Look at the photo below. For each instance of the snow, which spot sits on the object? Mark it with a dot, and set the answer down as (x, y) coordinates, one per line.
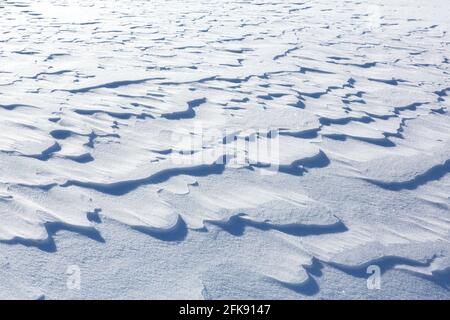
(211, 149)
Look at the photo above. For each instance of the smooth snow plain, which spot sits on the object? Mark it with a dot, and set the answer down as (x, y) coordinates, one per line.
(123, 123)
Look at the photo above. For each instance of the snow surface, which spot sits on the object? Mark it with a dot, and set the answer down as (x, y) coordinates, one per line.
(116, 123)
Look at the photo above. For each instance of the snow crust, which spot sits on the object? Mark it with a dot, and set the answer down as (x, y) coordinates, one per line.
(122, 124)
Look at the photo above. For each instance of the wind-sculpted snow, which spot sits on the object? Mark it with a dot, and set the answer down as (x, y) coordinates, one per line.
(270, 148)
